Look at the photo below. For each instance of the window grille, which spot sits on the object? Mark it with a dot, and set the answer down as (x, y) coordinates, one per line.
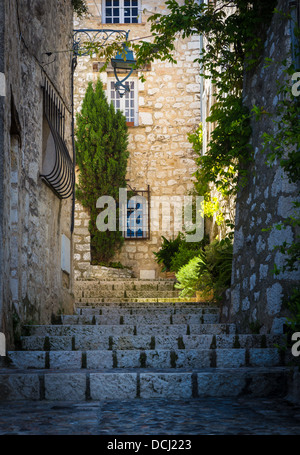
(58, 171)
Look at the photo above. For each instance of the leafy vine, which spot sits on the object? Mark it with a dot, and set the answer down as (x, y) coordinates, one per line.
(80, 7)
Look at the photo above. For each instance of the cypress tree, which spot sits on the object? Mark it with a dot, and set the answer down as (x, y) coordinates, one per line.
(101, 150)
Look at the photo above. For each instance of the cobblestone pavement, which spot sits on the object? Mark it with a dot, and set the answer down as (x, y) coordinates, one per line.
(209, 416)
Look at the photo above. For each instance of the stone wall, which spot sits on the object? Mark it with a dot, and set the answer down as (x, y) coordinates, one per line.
(257, 294)
(34, 221)
(83, 270)
(2, 104)
(168, 109)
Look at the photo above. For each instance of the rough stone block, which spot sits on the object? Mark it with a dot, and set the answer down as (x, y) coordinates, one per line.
(268, 382)
(65, 359)
(158, 359)
(99, 359)
(146, 118)
(192, 358)
(171, 385)
(220, 384)
(19, 387)
(65, 386)
(264, 357)
(147, 274)
(105, 386)
(230, 358)
(30, 359)
(128, 359)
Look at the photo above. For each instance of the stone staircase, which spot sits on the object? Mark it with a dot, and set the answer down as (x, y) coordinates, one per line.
(126, 291)
(132, 339)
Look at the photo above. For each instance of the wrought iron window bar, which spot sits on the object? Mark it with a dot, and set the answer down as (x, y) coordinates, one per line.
(83, 39)
(62, 176)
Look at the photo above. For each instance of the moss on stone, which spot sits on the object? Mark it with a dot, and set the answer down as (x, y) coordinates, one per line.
(255, 327)
(47, 360)
(247, 357)
(152, 343)
(213, 344)
(115, 359)
(180, 342)
(143, 359)
(263, 341)
(83, 360)
(47, 346)
(173, 359)
(236, 343)
(56, 319)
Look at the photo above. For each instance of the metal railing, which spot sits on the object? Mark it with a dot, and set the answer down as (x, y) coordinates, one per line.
(61, 177)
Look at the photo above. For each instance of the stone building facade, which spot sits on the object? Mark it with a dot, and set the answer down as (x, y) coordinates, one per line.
(257, 294)
(166, 107)
(36, 280)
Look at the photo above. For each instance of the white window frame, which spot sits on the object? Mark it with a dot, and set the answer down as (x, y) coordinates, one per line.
(124, 100)
(121, 16)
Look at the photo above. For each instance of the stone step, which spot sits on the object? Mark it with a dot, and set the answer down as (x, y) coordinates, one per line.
(122, 285)
(154, 318)
(126, 300)
(81, 384)
(106, 311)
(120, 294)
(93, 340)
(144, 305)
(160, 358)
(120, 330)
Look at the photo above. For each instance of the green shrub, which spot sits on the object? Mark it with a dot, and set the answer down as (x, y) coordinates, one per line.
(217, 264)
(209, 272)
(188, 278)
(186, 252)
(175, 253)
(167, 251)
(182, 257)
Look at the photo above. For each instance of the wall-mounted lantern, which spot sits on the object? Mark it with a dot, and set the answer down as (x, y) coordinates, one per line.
(123, 62)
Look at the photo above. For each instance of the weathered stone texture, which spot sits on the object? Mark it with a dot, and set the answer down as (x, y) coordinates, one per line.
(257, 294)
(160, 155)
(33, 219)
